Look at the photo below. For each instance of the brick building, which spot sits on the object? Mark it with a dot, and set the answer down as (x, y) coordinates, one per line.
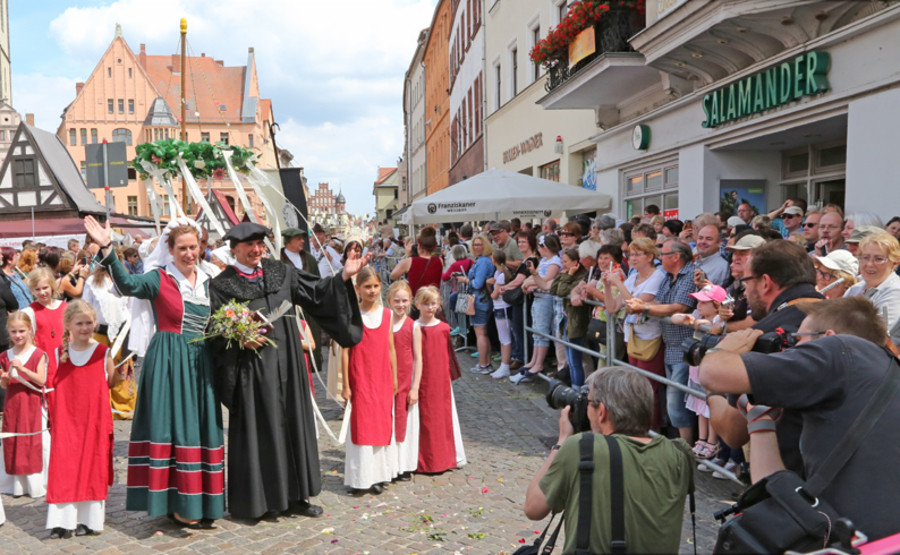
(136, 98)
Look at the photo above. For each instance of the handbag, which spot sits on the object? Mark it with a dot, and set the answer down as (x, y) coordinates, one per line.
(513, 297)
(470, 304)
(782, 512)
(643, 349)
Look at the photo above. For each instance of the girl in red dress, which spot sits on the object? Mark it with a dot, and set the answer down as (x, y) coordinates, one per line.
(81, 467)
(440, 442)
(46, 313)
(370, 384)
(23, 371)
(409, 376)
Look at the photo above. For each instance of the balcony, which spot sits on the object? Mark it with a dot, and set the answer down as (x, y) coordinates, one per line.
(609, 73)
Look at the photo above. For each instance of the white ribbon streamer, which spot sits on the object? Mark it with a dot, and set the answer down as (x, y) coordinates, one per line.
(197, 195)
(154, 201)
(260, 181)
(162, 177)
(242, 195)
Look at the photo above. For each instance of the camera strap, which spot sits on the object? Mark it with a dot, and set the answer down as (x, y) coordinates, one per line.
(617, 497)
(586, 472)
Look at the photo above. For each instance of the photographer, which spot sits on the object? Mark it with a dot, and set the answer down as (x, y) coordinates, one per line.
(657, 474)
(838, 364)
(780, 275)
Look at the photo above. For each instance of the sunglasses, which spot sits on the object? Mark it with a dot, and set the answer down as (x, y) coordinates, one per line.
(810, 224)
(566, 234)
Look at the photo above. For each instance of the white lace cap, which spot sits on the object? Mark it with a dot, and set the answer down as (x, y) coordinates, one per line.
(160, 256)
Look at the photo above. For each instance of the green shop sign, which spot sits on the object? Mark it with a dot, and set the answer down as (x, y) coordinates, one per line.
(805, 75)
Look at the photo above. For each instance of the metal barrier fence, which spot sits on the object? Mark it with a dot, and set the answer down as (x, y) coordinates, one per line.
(610, 358)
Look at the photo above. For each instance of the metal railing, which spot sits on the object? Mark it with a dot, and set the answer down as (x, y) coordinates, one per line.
(610, 358)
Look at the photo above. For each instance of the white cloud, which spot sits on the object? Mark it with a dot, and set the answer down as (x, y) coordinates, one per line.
(43, 96)
(346, 155)
(334, 70)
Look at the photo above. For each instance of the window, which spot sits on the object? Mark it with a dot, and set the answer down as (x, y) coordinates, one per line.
(73, 137)
(93, 136)
(657, 185)
(166, 210)
(550, 171)
(250, 140)
(535, 39)
(498, 76)
(223, 137)
(132, 206)
(84, 171)
(109, 72)
(513, 78)
(561, 10)
(121, 106)
(204, 137)
(130, 105)
(24, 173)
(109, 105)
(129, 73)
(122, 136)
(83, 136)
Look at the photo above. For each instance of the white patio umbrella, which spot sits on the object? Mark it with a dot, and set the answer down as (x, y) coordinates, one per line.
(497, 194)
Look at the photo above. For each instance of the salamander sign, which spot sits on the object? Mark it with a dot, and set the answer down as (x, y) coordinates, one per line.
(805, 75)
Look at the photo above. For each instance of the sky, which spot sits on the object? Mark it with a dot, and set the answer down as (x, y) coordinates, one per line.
(334, 69)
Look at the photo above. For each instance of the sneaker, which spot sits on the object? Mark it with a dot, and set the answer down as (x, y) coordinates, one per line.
(730, 466)
(703, 468)
(475, 369)
(496, 358)
(475, 354)
(486, 369)
(502, 372)
(455, 331)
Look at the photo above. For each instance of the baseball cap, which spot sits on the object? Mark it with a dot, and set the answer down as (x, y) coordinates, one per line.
(840, 260)
(862, 231)
(747, 242)
(795, 210)
(734, 221)
(713, 293)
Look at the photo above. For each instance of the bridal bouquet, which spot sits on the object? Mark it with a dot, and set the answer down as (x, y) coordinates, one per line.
(238, 324)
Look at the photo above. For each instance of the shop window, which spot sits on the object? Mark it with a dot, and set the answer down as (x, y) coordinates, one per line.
(550, 171)
(831, 157)
(645, 187)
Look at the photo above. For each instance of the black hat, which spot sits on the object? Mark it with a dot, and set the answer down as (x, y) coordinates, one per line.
(247, 231)
(317, 228)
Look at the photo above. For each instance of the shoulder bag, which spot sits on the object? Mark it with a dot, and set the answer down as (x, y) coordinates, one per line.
(643, 349)
(781, 512)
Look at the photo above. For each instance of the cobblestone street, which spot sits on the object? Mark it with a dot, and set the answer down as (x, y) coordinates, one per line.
(478, 509)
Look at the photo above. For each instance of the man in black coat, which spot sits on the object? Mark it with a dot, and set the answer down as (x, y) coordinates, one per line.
(273, 460)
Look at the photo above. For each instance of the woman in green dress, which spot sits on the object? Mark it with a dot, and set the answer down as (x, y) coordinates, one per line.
(176, 452)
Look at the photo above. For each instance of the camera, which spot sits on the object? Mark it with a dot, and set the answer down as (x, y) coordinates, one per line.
(695, 349)
(559, 396)
(728, 302)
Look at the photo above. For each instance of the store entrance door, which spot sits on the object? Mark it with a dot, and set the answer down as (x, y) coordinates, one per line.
(831, 191)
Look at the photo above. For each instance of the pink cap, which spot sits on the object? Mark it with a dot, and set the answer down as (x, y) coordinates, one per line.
(711, 293)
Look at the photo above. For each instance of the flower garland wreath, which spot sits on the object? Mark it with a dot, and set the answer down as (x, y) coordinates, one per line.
(205, 160)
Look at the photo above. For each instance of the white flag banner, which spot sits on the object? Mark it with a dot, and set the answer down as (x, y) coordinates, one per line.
(197, 195)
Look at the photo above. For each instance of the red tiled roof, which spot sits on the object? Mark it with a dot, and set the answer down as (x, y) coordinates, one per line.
(209, 86)
(384, 173)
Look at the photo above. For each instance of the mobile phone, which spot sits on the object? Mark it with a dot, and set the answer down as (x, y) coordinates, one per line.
(84, 261)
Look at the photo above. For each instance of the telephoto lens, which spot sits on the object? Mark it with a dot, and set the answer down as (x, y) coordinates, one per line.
(559, 396)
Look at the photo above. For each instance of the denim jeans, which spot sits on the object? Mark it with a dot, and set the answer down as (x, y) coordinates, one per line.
(515, 327)
(542, 316)
(573, 357)
(679, 415)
